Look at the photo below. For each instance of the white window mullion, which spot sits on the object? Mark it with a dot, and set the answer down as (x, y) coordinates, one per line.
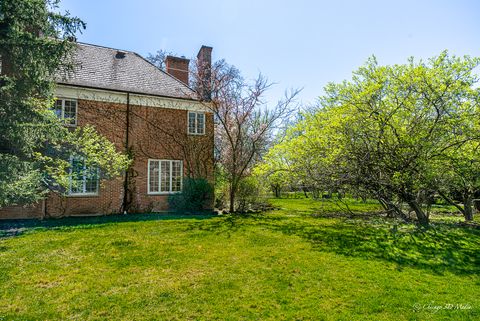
(84, 181)
(70, 181)
(171, 172)
(181, 175)
(159, 176)
(196, 123)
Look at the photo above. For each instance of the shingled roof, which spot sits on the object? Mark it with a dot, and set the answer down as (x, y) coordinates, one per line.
(121, 70)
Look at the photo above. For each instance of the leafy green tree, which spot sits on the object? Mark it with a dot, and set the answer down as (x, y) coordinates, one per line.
(309, 156)
(392, 131)
(402, 119)
(459, 177)
(35, 146)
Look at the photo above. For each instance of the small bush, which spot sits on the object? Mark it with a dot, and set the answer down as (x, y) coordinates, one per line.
(196, 195)
(248, 194)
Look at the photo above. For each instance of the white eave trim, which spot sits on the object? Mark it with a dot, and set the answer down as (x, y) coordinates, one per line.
(74, 92)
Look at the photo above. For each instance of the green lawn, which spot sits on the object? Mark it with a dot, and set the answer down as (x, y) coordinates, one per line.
(303, 262)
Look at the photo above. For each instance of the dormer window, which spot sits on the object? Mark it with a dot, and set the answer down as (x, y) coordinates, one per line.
(66, 109)
(196, 123)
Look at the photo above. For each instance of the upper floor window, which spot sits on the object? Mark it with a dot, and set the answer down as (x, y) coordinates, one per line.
(164, 176)
(83, 179)
(196, 123)
(66, 109)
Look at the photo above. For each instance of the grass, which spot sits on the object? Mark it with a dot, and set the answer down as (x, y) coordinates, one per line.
(303, 262)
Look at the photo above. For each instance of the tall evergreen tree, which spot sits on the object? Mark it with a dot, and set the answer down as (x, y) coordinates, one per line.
(35, 146)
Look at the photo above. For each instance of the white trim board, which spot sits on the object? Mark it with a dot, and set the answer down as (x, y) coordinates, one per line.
(66, 91)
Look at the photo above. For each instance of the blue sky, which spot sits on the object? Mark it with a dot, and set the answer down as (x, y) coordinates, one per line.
(294, 43)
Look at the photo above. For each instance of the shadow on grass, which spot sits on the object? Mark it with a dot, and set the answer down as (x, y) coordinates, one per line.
(9, 228)
(443, 247)
(225, 225)
(440, 248)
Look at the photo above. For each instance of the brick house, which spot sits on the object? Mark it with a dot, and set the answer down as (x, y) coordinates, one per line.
(151, 114)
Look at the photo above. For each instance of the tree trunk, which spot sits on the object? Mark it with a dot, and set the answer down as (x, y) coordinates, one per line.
(451, 202)
(392, 210)
(305, 192)
(468, 208)
(276, 189)
(421, 216)
(6, 66)
(232, 200)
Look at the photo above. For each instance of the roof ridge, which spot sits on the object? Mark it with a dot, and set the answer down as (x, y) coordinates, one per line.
(105, 47)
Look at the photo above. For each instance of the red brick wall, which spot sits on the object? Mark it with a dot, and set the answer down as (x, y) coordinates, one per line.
(158, 133)
(155, 133)
(27, 211)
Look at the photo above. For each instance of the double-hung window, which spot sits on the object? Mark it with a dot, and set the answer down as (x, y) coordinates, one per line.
(83, 179)
(196, 123)
(66, 109)
(164, 176)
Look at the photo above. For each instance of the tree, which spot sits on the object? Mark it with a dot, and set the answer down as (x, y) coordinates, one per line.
(392, 131)
(244, 124)
(35, 146)
(158, 58)
(401, 119)
(309, 155)
(459, 176)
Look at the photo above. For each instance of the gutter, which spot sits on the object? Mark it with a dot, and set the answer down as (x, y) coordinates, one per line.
(126, 91)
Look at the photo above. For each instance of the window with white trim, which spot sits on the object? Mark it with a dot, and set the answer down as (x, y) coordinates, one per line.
(164, 176)
(196, 123)
(66, 109)
(84, 179)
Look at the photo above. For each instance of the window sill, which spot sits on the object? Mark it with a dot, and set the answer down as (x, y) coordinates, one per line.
(162, 193)
(83, 195)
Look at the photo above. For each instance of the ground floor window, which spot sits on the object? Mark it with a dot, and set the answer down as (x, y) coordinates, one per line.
(164, 176)
(84, 180)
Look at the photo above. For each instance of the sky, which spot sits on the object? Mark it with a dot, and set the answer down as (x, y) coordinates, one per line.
(295, 44)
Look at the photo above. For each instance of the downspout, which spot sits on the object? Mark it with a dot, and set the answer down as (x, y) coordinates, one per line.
(44, 209)
(125, 182)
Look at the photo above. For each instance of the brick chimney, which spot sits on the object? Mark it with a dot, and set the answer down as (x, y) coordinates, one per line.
(204, 66)
(178, 68)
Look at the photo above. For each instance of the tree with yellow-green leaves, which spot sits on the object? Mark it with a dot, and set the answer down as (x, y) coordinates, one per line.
(402, 134)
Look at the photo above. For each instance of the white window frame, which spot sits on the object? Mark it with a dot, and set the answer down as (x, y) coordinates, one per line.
(149, 192)
(196, 126)
(84, 181)
(62, 116)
